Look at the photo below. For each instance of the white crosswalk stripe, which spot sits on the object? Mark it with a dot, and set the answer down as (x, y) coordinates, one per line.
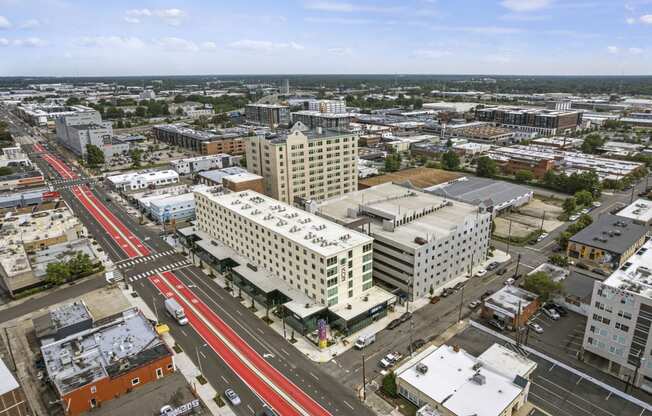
(167, 267)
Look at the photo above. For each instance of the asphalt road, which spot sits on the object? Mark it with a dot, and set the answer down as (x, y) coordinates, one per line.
(333, 396)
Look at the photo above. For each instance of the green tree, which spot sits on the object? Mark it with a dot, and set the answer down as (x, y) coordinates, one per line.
(563, 238)
(80, 264)
(450, 160)
(136, 156)
(57, 273)
(524, 175)
(6, 170)
(389, 385)
(94, 156)
(584, 198)
(486, 167)
(558, 260)
(541, 284)
(392, 162)
(141, 111)
(592, 143)
(569, 205)
(73, 101)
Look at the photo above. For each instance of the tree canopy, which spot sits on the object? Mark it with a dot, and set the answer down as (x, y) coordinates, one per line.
(94, 156)
(541, 284)
(486, 167)
(450, 160)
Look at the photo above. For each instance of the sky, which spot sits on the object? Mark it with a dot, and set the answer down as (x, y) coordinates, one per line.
(138, 37)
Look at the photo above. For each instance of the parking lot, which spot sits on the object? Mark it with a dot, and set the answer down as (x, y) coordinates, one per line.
(554, 389)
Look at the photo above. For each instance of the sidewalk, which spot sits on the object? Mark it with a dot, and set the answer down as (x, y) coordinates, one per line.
(183, 364)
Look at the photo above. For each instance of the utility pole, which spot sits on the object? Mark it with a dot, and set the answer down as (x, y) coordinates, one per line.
(509, 235)
(518, 325)
(364, 381)
(459, 318)
(407, 301)
(155, 310)
(631, 198)
(518, 263)
(543, 217)
(411, 336)
(201, 372)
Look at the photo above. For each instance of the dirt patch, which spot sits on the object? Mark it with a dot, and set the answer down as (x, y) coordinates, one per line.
(527, 219)
(419, 177)
(519, 229)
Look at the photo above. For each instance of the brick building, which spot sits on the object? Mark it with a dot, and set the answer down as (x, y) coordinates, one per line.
(118, 355)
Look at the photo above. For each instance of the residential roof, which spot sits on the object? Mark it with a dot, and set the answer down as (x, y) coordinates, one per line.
(640, 211)
(451, 380)
(64, 316)
(508, 299)
(635, 276)
(476, 191)
(610, 232)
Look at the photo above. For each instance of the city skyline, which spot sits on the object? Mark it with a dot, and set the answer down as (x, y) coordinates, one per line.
(537, 37)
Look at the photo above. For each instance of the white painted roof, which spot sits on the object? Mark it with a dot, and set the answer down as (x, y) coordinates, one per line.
(639, 210)
(7, 380)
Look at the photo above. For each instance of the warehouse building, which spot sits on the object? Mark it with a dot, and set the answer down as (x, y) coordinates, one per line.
(495, 196)
(421, 241)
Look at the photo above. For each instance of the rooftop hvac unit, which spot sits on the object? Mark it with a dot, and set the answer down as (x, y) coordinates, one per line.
(422, 368)
(479, 379)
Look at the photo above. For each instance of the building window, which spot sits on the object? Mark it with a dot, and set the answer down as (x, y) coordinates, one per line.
(135, 381)
(93, 389)
(159, 373)
(170, 367)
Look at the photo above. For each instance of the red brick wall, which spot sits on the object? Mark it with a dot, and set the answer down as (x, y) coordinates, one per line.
(79, 401)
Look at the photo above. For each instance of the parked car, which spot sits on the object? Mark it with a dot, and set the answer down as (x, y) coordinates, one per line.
(394, 324)
(232, 397)
(582, 266)
(551, 313)
(418, 344)
(597, 204)
(574, 217)
(535, 327)
(509, 281)
(459, 286)
(447, 291)
(560, 309)
(474, 304)
(541, 237)
(502, 271)
(388, 361)
(435, 299)
(497, 324)
(405, 316)
(600, 272)
(585, 211)
(493, 265)
(480, 272)
(267, 411)
(486, 294)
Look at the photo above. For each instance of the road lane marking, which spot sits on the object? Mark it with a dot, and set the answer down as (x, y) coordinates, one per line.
(346, 403)
(314, 376)
(225, 380)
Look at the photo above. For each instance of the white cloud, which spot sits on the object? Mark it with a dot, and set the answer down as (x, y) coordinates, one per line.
(339, 20)
(263, 45)
(30, 42)
(613, 49)
(112, 42)
(430, 53)
(30, 24)
(525, 5)
(630, 20)
(647, 19)
(172, 17)
(341, 51)
(4, 23)
(177, 44)
(343, 7)
(4, 42)
(635, 51)
(498, 58)
(208, 45)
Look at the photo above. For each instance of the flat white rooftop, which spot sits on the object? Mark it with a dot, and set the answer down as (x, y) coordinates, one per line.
(449, 382)
(307, 230)
(639, 210)
(394, 202)
(143, 176)
(7, 381)
(508, 299)
(635, 276)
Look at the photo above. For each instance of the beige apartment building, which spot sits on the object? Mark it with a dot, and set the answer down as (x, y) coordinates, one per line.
(312, 165)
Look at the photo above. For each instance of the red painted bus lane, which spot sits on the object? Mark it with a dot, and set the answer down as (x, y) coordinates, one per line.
(144, 251)
(252, 380)
(298, 395)
(62, 169)
(108, 226)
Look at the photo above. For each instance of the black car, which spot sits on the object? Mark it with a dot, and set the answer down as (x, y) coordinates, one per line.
(497, 324)
(502, 271)
(394, 324)
(560, 309)
(486, 294)
(405, 316)
(417, 344)
(493, 265)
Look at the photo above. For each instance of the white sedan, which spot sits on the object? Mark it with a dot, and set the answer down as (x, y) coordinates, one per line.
(481, 272)
(536, 327)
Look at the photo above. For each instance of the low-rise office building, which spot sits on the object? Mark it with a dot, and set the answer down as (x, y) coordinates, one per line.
(201, 163)
(46, 114)
(79, 130)
(104, 362)
(448, 381)
(327, 106)
(14, 157)
(234, 179)
(133, 181)
(421, 241)
(314, 119)
(543, 121)
(607, 243)
(230, 141)
(511, 305)
(639, 211)
(619, 326)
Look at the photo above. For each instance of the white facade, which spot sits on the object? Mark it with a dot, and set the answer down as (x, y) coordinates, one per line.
(313, 166)
(203, 163)
(328, 262)
(327, 106)
(421, 241)
(140, 180)
(76, 131)
(619, 326)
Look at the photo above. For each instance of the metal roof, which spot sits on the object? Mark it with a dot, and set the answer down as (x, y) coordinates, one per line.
(610, 232)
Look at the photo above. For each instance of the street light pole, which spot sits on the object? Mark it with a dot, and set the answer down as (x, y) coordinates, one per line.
(364, 380)
(459, 318)
(201, 371)
(509, 235)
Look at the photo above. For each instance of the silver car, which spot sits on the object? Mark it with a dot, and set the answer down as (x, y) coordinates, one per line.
(232, 396)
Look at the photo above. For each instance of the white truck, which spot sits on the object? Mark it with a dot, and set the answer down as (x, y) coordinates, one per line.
(176, 311)
(365, 340)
